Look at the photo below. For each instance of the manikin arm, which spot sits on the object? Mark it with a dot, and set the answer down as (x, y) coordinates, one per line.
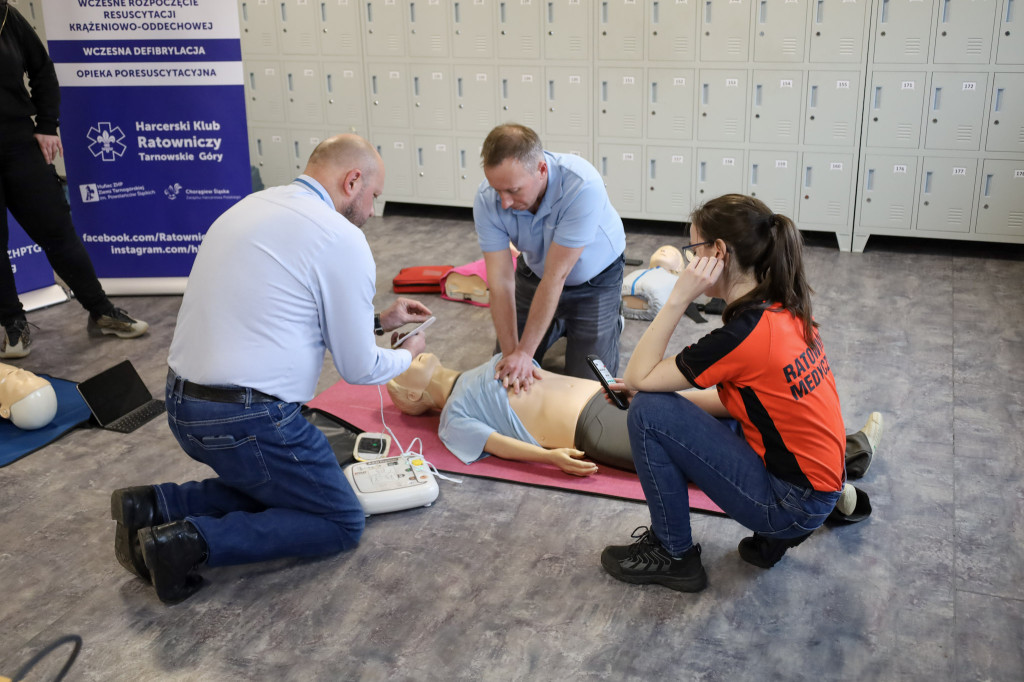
(566, 459)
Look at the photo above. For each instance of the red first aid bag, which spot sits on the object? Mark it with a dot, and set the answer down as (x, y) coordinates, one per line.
(420, 279)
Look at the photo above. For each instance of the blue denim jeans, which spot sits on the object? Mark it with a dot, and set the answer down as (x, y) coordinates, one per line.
(279, 491)
(587, 316)
(675, 442)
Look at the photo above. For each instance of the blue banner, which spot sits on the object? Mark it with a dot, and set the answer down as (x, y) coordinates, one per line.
(31, 269)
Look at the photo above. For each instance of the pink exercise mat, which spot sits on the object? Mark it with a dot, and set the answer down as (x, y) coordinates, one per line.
(360, 406)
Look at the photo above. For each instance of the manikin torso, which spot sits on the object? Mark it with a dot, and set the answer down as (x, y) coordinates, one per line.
(551, 408)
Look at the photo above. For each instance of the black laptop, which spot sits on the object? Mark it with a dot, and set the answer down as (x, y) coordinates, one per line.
(119, 399)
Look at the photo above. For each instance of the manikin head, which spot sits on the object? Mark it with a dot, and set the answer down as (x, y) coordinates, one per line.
(27, 400)
(514, 165)
(669, 258)
(352, 172)
(425, 386)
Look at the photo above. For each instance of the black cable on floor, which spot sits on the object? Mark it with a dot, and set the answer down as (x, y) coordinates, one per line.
(25, 669)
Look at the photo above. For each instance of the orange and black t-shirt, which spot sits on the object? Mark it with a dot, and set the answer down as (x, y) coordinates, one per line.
(780, 390)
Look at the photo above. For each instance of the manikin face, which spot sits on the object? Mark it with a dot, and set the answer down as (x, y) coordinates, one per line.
(668, 257)
(419, 374)
(361, 208)
(521, 188)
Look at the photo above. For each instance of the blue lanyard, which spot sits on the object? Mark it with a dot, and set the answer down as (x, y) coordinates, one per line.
(308, 184)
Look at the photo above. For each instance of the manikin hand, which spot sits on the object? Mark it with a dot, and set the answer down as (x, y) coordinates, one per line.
(568, 460)
(50, 146)
(401, 312)
(516, 371)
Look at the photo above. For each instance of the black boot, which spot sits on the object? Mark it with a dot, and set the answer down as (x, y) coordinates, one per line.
(133, 509)
(764, 551)
(172, 552)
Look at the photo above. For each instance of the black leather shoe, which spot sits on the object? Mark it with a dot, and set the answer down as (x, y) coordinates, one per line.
(172, 552)
(764, 551)
(133, 508)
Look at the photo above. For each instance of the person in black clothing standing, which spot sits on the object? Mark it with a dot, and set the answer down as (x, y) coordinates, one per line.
(30, 189)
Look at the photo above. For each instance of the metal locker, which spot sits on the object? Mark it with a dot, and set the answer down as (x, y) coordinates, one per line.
(670, 103)
(468, 169)
(519, 29)
(780, 30)
(894, 109)
(473, 29)
(902, 30)
(620, 103)
(301, 145)
(427, 28)
(669, 182)
(264, 99)
(722, 102)
(435, 161)
(32, 10)
(345, 97)
(259, 30)
(296, 20)
(838, 30)
(578, 147)
(268, 152)
(964, 31)
(620, 27)
(946, 200)
(396, 150)
(824, 189)
(956, 111)
(1010, 48)
(772, 178)
(833, 102)
(1006, 114)
(671, 30)
(887, 191)
(725, 30)
(520, 95)
(339, 28)
(384, 28)
(776, 98)
(1002, 198)
(304, 102)
(389, 95)
(619, 165)
(475, 103)
(567, 29)
(717, 172)
(568, 101)
(431, 97)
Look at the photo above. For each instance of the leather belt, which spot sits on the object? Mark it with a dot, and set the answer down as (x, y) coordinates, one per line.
(222, 395)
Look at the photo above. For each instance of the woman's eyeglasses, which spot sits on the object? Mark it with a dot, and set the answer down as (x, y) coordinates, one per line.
(688, 252)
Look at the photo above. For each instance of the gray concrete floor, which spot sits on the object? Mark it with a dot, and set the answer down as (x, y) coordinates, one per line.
(498, 581)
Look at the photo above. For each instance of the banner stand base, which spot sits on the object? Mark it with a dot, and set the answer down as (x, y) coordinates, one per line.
(43, 298)
(143, 286)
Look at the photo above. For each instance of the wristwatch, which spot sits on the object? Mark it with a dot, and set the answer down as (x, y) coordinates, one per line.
(377, 329)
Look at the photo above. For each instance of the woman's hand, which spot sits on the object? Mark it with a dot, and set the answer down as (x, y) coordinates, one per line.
(699, 275)
(624, 392)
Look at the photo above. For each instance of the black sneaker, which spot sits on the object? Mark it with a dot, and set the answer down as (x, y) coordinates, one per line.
(646, 561)
(764, 551)
(15, 339)
(119, 323)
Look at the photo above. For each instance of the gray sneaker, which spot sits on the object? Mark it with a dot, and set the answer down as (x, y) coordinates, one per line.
(118, 323)
(15, 340)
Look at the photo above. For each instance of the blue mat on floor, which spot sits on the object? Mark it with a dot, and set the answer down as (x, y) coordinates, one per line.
(71, 411)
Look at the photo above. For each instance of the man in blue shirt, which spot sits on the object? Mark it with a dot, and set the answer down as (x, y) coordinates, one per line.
(554, 208)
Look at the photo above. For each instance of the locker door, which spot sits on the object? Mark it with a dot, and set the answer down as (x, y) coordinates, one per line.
(567, 29)
(946, 200)
(521, 95)
(339, 28)
(302, 143)
(670, 34)
(725, 30)
(519, 29)
(838, 32)
(956, 111)
(577, 147)
(427, 28)
(670, 102)
(902, 30)
(473, 29)
(717, 172)
(825, 189)
(833, 101)
(620, 103)
(32, 10)
(389, 95)
(475, 104)
(265, 101)
(772, 178)
(435, 161)
(722, 102)
(268, 151)
(396, 151)
(964, 31)
(1010, 49)
(567, 93)
(780, 30)
(302, 87)
(431, 97)
(887, 191)
(259, 31)
(776, 97)
(620, 28)
(345, 97)
(297, 26)
(1006, 114)
(620, 167)
(469, 171)
(384, 28)
(669, 193)
(1002, 206)
(894, 109)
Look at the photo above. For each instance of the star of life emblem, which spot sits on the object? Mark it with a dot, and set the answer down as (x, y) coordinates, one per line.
(106, 141)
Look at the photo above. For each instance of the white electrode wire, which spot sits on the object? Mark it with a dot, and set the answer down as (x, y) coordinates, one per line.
(380, 394)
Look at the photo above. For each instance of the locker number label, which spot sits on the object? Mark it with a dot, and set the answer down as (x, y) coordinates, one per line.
(785, 83)
(481, 76)
(678, 81)
(842, 85)
(732, 82)
(970, 85)
(1018, 174)
(440, 147)
(678, 158)
(781, 163)
(399, 144)
(527, 77)
(899, 168)
(728, 161)
(269, 72)
(308, 72)
(959, 171)
(836, 165)
(629, 80)
(907, 85)
(394, 75)
(434, 2)
(275, 138)
(575, 80)
(348, 73)
(437, 75)
(627, 156)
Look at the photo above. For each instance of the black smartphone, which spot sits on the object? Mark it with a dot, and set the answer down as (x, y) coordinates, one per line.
(606, 379)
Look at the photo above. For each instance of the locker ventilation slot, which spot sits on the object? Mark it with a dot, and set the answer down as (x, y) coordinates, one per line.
(975, 46)
(904, 131)
(847, 46)
(912, 47)
(897, 212)
(841, 130)
(955, 216)
(789, 47)
(964, 133)
(1015, 220)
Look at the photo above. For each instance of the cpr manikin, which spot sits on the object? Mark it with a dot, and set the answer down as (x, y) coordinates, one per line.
(27, 400)
(644, 292)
